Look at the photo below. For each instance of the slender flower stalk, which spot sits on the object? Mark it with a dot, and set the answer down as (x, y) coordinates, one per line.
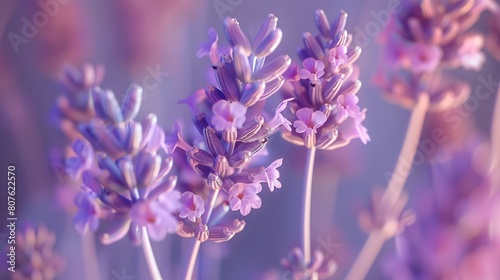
(367, 256)
(149, 255)
(89, 256)
(195, 248)
(407, 154)
(393, 192)
(306, 207)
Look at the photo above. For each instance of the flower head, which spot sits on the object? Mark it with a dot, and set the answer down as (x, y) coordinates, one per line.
(270, 175)
(308, 121)
(338, 56)
(192, 206)
(313, 69)
(156, 216)
(244, 197)
(228, 115)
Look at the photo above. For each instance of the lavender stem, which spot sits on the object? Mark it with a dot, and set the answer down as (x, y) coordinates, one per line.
(195, 248)
(367, 256)
(89, 256)
(212, 197)
(394, 189)
(408, 151)
(149, 255)
(306, 210)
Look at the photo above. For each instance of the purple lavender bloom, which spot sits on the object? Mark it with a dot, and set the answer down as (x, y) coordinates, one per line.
(452, 237)
(89, 212)
(233, 130)
(421, 41)
(156, 216)
(192, 206)
(313, 69)
(298, 269)
(129, 183)
(325, 96)
(244, 197)
(228, 116)
(35, 258)
(75, 105)
(270, 175)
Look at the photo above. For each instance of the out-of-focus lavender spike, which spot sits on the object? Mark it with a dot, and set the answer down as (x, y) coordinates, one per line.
(241, 64)
(97, 96)
(201, 157)
(458, 8)
(166, 186)
(148, 126)
(228, 82)
(322, 23)
(132, 102)
(85, 78)
(252, 93)
(235, 36)
(338, 24)
(450, 32)
(272, 87)
(115, 234)
(134, 234)
(416, 29)
(147, 167)
(273, 69)
(213, 141)
(312, 46)
(134, 139)
(269, 44)
(213, 94)
(108, 164)
(267, 27)
(127, 170)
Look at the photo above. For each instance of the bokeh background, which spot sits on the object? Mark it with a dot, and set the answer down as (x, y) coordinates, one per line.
(132, 40)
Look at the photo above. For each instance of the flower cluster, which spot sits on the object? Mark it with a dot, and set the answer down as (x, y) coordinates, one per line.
(118, 161)
(75, 106)
(424, 39)
(35, 258)
(323, 93)
(453, 237)
(233, 130)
